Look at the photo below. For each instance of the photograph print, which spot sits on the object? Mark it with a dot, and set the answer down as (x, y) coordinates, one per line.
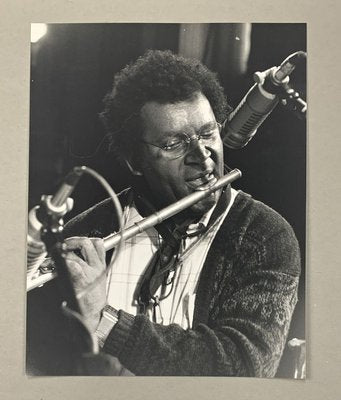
(167, 200)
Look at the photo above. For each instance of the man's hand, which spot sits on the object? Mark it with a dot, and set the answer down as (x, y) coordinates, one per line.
(84, 271)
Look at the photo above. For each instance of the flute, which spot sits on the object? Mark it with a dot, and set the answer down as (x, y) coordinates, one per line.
(113, 239)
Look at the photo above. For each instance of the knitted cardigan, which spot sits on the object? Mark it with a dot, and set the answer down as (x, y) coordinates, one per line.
(246, 295)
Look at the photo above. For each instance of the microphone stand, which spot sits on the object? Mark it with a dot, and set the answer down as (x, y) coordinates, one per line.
(53, 240)
(82, 352)
(292, 101)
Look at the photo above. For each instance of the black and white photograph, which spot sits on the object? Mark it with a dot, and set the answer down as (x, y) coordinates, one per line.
(166, 227)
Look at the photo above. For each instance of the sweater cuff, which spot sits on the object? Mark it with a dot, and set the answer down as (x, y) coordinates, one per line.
(119, 334)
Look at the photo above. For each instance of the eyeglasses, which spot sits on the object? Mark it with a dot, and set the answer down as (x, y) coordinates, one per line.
(177, 146)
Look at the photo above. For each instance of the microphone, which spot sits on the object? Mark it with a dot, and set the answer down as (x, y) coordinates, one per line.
(50, 207)
(259, 102)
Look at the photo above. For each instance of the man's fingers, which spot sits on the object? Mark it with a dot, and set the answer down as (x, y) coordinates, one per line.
(75, 269)
(90, 249)
(72, 257)
(99, 246)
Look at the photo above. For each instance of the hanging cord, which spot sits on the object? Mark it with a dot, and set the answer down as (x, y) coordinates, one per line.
(119, 213)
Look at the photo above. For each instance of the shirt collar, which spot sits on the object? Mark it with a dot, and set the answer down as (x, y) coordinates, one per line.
(199, 226)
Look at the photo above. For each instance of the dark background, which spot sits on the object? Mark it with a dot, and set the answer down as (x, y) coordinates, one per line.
(72, 68)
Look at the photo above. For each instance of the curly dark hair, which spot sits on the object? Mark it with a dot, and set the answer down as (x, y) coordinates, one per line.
(159, 76)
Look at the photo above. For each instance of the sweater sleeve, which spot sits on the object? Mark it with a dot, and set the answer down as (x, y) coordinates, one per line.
(251, 301)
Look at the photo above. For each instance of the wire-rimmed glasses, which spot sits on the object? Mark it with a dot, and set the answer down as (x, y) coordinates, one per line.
(177, 146)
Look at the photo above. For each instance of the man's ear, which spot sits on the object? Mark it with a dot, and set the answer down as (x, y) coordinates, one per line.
(131, 169)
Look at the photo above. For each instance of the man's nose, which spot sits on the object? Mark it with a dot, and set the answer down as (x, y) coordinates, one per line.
(197, 151)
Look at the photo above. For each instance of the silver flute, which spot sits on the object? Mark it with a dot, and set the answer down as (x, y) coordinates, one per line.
(113, 239)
